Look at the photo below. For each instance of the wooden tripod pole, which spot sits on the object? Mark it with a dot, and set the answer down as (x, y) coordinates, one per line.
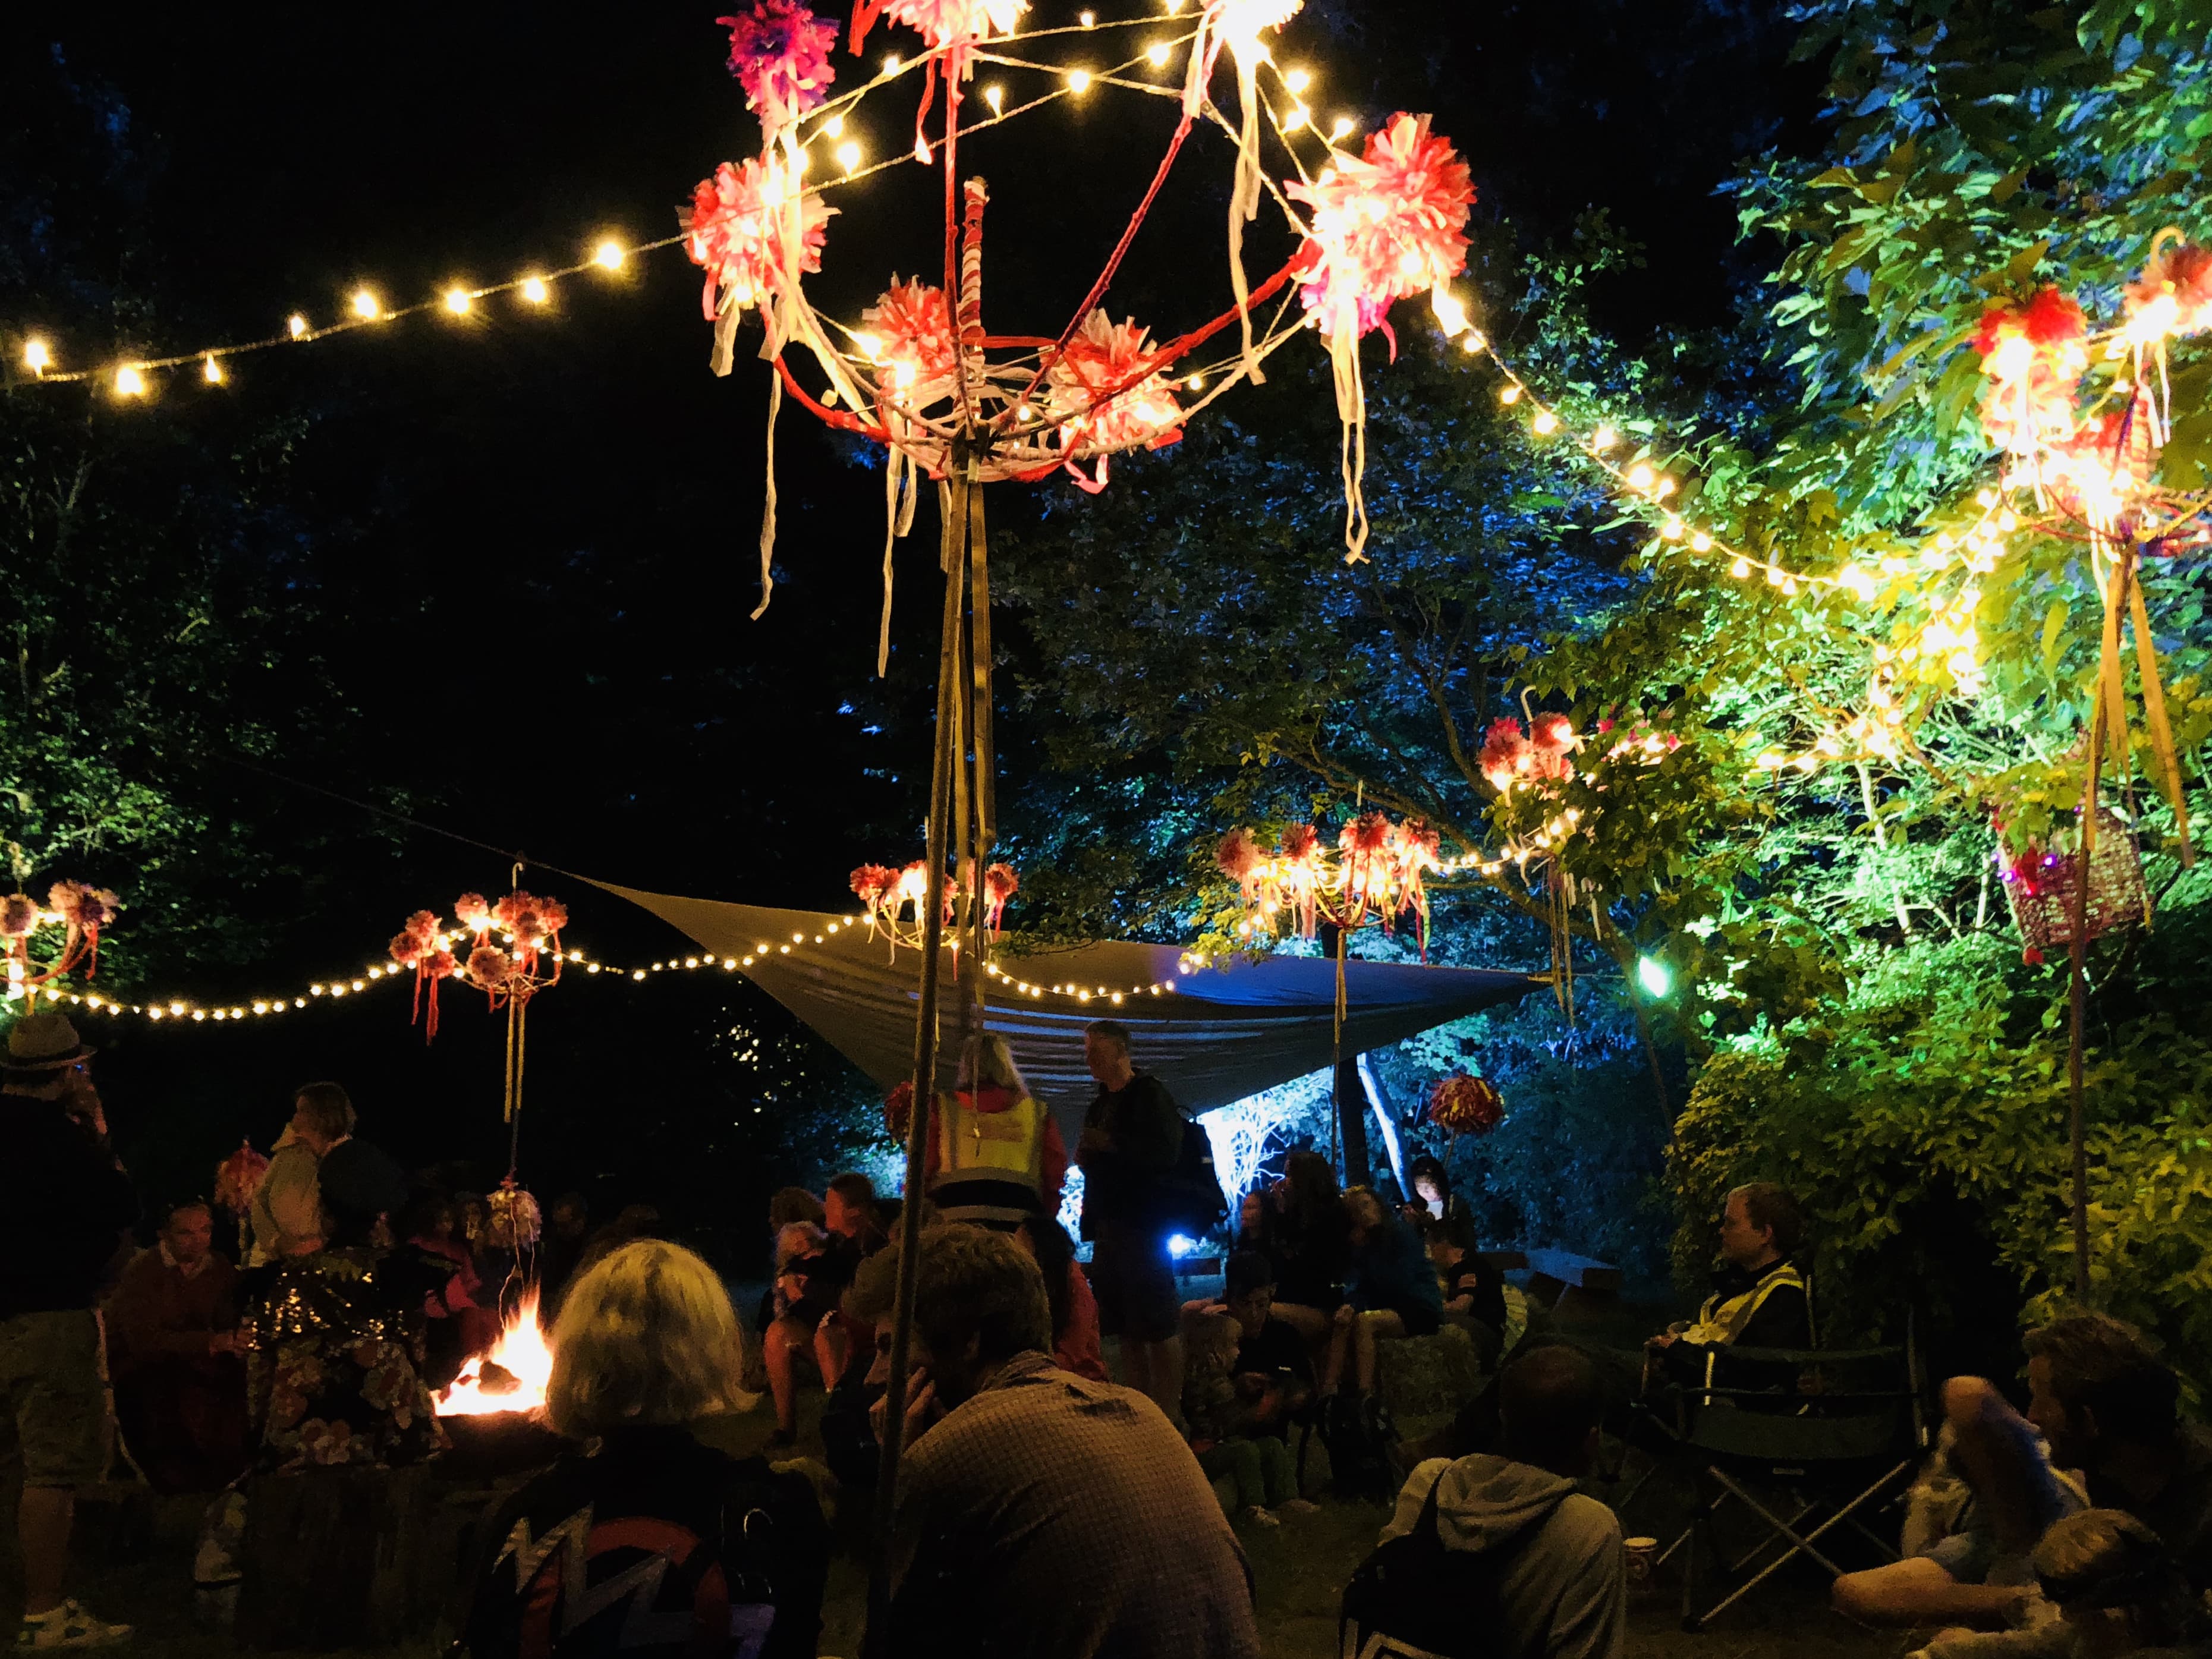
(925, 1057)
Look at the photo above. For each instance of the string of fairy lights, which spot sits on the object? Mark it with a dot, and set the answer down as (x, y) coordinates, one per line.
(178, 1010)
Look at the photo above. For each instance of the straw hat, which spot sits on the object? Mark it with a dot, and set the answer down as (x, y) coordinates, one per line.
(44, 1042)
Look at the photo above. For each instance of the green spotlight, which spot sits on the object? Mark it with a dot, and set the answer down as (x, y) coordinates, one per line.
(1651, 973)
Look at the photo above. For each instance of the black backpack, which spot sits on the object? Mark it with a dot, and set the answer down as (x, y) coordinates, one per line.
(1190, 1198)
(1414, 1598)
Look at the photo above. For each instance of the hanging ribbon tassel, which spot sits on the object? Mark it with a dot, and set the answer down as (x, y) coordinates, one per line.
(1351, 412)
(767, 506)
(1245, 206)
(2161, 732)
(898, 520)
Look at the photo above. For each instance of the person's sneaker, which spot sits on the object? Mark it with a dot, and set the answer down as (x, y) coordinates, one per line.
(1260, 1517)
(64, 1628)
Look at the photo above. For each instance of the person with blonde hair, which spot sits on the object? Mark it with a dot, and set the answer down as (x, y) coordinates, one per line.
(707, 1553)
(996, 1156)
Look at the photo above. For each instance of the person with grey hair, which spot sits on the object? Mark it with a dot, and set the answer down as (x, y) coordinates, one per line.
(1039, 1512)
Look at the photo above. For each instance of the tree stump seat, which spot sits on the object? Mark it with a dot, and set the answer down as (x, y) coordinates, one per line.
(1425, 1376)
(344, 1558)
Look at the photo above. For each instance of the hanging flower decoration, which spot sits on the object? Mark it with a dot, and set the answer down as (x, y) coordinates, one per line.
(78, 909)
(1387, 225)
(893, 900)
(512, 1221)
(1465, 1105)
(1512, 759)
(940, 23)
(911, 338)
(898, 1109)
(1377, 874)
(2173, 296)
(238, 1177)
(780, 54)
(736, 231)
(2034, 353)
(1107, 390)
(1000, 883)
(471, 950)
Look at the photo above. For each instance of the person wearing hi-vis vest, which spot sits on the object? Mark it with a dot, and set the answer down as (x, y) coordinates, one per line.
(1758, 1297)
(995, 1157)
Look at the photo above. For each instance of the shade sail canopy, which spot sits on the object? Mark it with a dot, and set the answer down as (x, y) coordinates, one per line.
(1217, 1035)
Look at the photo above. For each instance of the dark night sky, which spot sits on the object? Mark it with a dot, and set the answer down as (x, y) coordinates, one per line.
(541, 526)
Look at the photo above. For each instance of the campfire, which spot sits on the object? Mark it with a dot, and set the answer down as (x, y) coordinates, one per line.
(511, 1377)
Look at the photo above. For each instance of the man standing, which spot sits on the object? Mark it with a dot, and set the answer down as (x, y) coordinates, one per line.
(69, 1203)
(1525, 1558)
(1132, 1139)
(175, 1354)
(1040, 1513)
(287, 1210)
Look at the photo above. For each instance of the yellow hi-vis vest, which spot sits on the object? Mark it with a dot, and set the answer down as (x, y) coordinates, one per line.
(974, 1146)
(1720, 1321)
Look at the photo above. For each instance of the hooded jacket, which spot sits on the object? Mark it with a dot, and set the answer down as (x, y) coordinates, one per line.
(1565, 1590)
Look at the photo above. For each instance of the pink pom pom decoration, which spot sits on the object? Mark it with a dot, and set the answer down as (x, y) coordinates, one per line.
(734, 231)
(1385, 226)
(780, 54)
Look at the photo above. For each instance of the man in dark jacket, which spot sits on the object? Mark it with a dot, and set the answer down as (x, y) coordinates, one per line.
(1132, 1139)
(1758, 1297)
(70, 1204)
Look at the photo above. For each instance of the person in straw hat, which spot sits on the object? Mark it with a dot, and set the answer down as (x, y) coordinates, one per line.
(69, 1204)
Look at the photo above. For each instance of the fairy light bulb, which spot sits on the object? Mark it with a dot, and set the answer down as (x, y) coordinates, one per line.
(535, 291)
(1449, 312)
(1079, 80)
(1546, 422)
(1339, 129)
(1298, 80)
(365, 304)
(848, 156)
(1088, 19)
(129, 382)
(995, 97)
(457, 301)
(1672, 530)
(1640, 477)
(1196, 383)
(211, 370)
(1472, 340)
(1509, 393)
(1156, 54)
(609, 255)
(891, 61)
(36, 357)
(1701, 542)
(1604, 438)
(295, 325)
(834, 127)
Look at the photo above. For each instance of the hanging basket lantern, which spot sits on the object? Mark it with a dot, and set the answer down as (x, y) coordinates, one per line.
(1463, 1105)
(2042, 884)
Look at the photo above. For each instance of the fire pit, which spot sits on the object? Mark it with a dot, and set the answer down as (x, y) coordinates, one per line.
(494, 1411)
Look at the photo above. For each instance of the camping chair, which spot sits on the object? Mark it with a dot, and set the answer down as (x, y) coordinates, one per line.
(1850, 1440)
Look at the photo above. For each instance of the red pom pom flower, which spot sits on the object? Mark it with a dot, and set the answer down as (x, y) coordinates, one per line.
(1461, 1104)
(1000, 883)
(912, 337)
(2033, 352)
(2173, 296)
(1107, 390)
(1384, 226)
(736, 227)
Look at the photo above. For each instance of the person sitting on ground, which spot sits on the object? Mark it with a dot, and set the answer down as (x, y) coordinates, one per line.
(173, 1354)
(1477, 1297)
(2118, 1588)
(1559, 1587)
(1304, 1233)
(848, 1429)
(286, 1211)
(1758, 1297)
(855, 1234)
(809, 1280)
(2099, 1401)
(1229, 1425)
(69, 1203)
(1040, 1513)
(651, 1542)
(1434, 1202)
(1394, 1292)
(1076, 1346)
(1273, 1371)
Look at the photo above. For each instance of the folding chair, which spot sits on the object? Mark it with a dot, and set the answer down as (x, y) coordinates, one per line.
(1850, 1440)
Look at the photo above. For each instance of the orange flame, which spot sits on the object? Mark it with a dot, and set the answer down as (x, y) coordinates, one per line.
(521, 1351)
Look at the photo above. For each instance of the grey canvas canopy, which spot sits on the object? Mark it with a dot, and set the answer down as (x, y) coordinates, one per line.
(1219, 1035)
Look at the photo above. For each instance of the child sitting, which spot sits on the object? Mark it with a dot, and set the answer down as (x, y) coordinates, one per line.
(1226, 1413)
